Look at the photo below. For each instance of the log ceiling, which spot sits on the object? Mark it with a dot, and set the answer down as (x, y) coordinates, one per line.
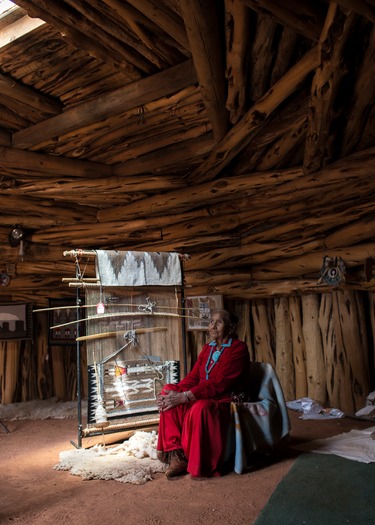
(240, 132)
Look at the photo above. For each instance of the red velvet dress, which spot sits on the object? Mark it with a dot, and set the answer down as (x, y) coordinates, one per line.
(200, 428)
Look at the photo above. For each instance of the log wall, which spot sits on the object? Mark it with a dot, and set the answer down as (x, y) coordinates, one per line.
(321, 345)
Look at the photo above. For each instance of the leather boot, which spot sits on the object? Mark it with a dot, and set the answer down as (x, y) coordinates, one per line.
(177, 464)
(162, 456)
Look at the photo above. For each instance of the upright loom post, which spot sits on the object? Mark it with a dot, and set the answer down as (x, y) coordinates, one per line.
(78, 357)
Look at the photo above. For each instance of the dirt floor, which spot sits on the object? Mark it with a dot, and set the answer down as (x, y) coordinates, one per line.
(33, 493)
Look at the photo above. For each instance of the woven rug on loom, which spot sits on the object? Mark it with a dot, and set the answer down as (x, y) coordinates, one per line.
(323, 490)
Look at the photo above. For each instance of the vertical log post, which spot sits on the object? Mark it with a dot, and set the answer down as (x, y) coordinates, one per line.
(244, 327)
(299, 351)
(332, 369)
(28, 372)
(57, 354)
(315, 371)
(352, 347)
(262, 334)
(12, 359)
(284, 348)
(372, 323)
(43, 375)
(2, 369)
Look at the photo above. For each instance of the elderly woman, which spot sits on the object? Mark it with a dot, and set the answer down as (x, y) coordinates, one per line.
(195, 413)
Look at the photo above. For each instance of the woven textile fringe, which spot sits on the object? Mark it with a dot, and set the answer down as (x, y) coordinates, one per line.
(114, 268)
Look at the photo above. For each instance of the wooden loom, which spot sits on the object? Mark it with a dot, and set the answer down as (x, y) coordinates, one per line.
(135, 347)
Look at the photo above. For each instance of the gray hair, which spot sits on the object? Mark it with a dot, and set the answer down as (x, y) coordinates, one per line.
(227, 317)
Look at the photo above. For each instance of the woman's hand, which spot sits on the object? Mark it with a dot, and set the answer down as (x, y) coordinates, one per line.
(169, 399)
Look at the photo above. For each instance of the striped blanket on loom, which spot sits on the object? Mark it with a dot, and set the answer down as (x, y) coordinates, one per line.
(118, 268)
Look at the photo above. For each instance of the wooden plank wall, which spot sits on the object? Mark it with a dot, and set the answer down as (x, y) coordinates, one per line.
(321, 345)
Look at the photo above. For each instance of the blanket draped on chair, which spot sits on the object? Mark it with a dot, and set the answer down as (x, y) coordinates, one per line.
(261, 424)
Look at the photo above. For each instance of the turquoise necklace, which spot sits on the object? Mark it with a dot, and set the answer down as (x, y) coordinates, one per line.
(214, 357)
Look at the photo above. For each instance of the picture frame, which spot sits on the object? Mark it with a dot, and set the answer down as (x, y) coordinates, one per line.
(63, 311)
(199, 309)
(16, 321)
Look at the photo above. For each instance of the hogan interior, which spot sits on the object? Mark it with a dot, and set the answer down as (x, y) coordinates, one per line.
(244, 139)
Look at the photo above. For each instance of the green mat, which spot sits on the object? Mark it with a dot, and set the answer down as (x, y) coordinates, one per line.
(323, 489)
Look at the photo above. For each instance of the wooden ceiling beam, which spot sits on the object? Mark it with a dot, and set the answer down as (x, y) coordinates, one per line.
(160, 14)
(77, 37)
(361, 7)
(166, 157)
(272, 187)
(202, 27)
(137, 93)
(325, 85)
(19, 205)
(305, 17)
(261, 56)
(22, 27)
(247, 128)
(364, 99)
(14, 161)
(29, 98)
(237, 29)
(94, 21)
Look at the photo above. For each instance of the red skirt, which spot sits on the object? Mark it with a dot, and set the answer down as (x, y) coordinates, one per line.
(201, 430)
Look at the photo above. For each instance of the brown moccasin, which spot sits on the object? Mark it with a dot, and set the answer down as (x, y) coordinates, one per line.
(177, 464)
(162, 456)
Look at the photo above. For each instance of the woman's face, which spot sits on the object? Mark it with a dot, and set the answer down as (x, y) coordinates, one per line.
(218, 328)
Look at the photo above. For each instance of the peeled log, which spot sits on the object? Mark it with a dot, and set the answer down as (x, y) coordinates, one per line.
(12, 358)
(244, 327)
(299, 352)
(352, 349)
(58, 371)
(42, 373)
(314, 352)
(371, 308)
(262, 332)
(332, 369)
(284, 348)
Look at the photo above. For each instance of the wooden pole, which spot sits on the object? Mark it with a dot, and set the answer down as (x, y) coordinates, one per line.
(262, 332)
(352, 348)
(12, 359)
(284, 352)
(330, 350)
(316, 387)
(299, 351)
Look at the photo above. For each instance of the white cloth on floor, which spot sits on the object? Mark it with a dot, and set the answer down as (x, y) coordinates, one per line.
(357, 445)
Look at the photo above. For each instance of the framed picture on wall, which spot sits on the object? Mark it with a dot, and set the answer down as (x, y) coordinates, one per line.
(16, 321)
(199, 309)
(62, 317)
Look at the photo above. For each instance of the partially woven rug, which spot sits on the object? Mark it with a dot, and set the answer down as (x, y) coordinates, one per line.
(134, 461)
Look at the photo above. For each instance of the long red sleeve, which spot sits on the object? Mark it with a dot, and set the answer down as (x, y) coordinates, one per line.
(229, 374)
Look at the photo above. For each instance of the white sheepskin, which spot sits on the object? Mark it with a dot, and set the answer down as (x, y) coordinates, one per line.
(134, 461)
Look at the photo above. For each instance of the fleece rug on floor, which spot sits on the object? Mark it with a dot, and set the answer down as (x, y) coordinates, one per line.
(323, 490)
(134, 461)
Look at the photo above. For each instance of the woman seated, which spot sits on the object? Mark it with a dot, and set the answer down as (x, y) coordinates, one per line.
(195, 413)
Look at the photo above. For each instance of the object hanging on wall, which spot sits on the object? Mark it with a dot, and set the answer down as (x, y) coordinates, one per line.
(62, 314)
(4, 279)
(332, 271)
(16, 235)
(16, 321)
(199, 309)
